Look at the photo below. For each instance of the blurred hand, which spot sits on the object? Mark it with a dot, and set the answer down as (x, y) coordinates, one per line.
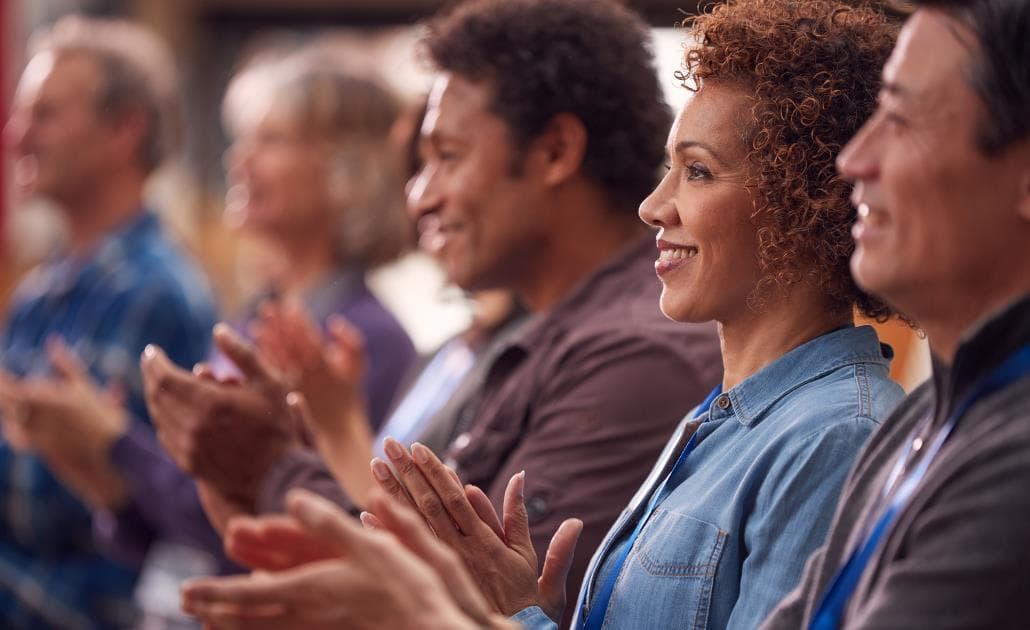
(327, 372)
(331, 574)
(498, 552)
(226, 434)
(70, 423)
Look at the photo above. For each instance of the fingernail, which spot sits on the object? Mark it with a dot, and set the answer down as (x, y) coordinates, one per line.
(522, 484)
(149, 352)
(420, 453)
(393, 449)
(366, 520)
(380, 470)
(293, 399)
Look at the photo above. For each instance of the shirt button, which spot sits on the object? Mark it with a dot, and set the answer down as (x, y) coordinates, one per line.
(723, 402)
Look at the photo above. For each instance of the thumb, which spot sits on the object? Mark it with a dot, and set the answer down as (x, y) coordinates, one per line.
(516, 519)
(65, 363)
(241, 353)
(560, 553)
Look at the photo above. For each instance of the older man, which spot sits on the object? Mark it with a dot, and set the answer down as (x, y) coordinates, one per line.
(931, 531)
(542, 135)
(90, 122)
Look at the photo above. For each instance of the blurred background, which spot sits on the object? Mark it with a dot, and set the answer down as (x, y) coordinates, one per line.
(210, 39)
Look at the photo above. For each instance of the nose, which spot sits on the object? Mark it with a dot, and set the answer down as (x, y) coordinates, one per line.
(423, 192)
(16, 132)
(659, 209)
(858, 160)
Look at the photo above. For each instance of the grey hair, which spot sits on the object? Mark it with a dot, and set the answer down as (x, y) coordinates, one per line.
(137, 75)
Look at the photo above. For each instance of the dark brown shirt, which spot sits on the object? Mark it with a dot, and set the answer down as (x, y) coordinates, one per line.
(585, 399)
(958, 554)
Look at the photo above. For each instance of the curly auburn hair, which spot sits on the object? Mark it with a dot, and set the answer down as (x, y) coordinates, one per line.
(588, 58)
(812, 69)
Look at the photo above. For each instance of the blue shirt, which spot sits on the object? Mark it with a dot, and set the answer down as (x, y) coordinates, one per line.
(755, 497)
(135, 288)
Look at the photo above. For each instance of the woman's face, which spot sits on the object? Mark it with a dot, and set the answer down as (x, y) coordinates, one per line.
(277, 178)
(707, 243)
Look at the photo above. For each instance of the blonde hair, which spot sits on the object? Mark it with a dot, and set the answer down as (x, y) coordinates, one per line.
(353, 114)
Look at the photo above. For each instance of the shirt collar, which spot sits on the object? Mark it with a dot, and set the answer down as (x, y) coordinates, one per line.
(64, 272)
(750, 400)
(987, 343)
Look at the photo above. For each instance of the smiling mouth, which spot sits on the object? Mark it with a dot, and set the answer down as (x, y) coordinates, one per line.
(678, 253)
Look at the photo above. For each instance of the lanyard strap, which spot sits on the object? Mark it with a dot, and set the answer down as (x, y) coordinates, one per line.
(835, 599)
(597, 612)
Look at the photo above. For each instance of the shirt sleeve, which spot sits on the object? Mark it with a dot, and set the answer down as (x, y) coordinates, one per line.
(163, 502)
(533, 618)
(792, 514)
(299, 468)
(595, 433)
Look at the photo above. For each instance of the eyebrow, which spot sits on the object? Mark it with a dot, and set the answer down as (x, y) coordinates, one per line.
(683, 145)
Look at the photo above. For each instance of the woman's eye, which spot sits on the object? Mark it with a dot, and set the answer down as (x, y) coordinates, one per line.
(697, 171)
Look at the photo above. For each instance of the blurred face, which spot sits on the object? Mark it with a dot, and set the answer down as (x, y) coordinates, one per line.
(61, 146)
(707, 245)
(278, 177)
(931, 206)
(482, 221)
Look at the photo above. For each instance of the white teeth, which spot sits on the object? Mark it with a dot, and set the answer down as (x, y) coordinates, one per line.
(677, 254)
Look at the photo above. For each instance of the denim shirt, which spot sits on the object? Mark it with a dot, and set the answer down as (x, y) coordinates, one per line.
(753, 499)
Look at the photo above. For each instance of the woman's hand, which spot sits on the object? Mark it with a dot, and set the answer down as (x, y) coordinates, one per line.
(498, 552)
(329, 573)
(328, 372)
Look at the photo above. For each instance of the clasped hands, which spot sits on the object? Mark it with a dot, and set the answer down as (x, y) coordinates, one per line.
(477, 570)
(70, 422)
(229, 432)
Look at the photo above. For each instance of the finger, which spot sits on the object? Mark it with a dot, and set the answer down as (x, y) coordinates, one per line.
(65, 363)
(370, 521)
(450, 494)
(223, 617)
(557, 563)
(301, 412)
(423, 495)
(515, 517)
(273, 543)
(255, 590)
(161, 376)
(348, 347)
(240, 353)
(485, 509)
(389, 483)
(303, 332)
(325, 522)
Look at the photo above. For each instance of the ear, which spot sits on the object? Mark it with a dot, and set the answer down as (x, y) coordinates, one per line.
(127, 134)
(561, 147)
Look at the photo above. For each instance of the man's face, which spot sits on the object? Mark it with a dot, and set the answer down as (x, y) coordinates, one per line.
(476, 211)
(57, 136)
(935, 213)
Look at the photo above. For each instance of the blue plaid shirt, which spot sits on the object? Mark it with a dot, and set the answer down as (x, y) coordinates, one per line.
(135, 288)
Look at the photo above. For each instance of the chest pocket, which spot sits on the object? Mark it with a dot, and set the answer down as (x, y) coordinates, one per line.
(668, 579)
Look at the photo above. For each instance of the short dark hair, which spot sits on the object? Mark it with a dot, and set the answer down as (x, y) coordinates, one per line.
(1000, 70)
(588, 58)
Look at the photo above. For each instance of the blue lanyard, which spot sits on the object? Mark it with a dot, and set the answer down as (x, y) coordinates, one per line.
(835, 599)
(597, 612)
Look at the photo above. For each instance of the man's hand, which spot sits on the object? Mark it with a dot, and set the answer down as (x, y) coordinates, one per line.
(226, 434)
(70, 423)
(362, 579)
(498, 552)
